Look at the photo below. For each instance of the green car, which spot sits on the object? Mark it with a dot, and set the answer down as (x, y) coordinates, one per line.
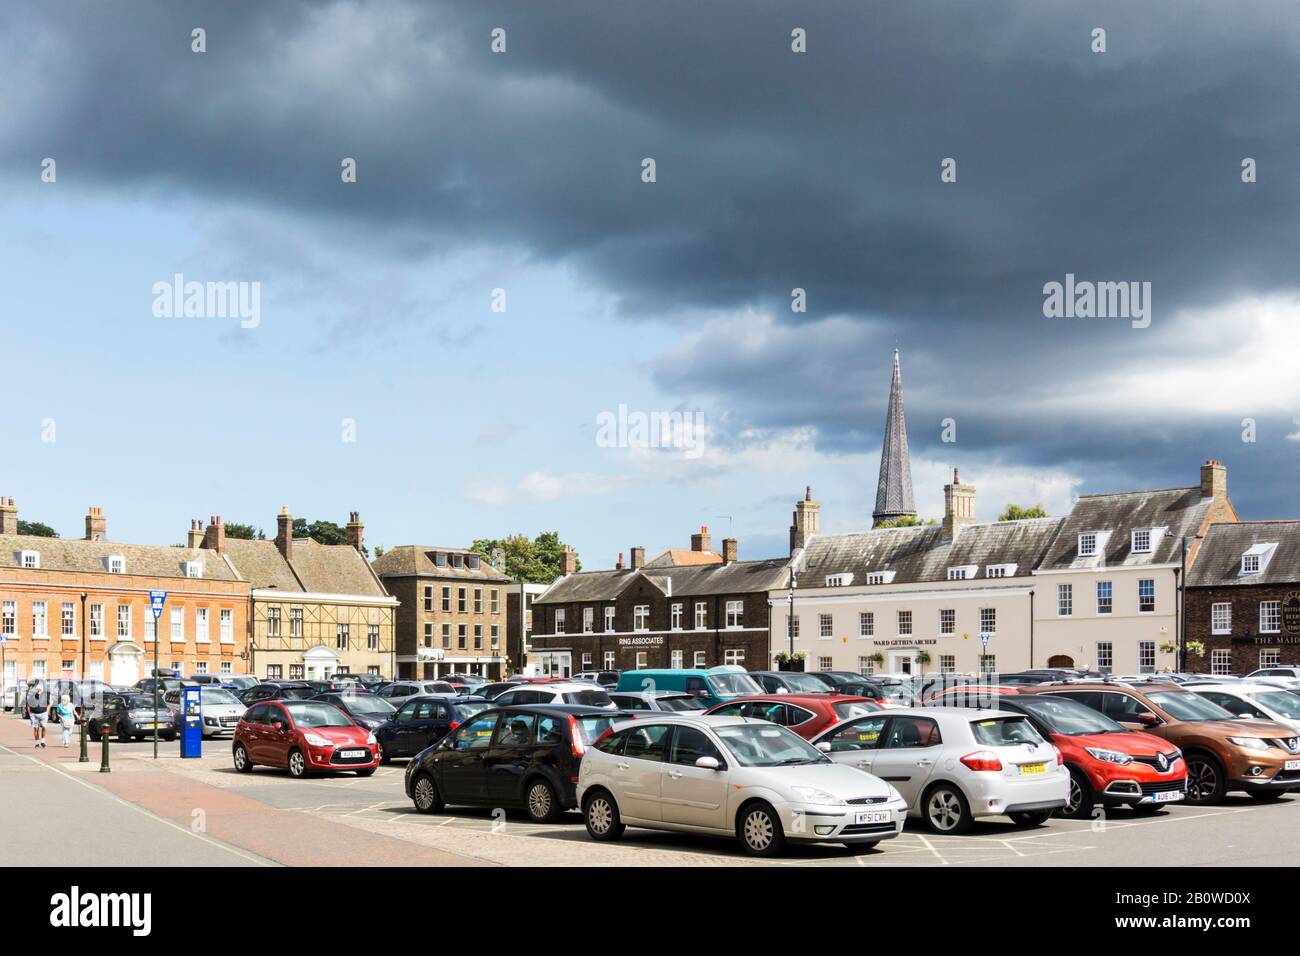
(712, 686)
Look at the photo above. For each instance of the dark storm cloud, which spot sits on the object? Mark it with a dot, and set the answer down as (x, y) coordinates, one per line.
(775, 170)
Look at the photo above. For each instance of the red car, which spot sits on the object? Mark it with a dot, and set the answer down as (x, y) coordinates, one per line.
(304, 736)
(1109, 764)
(806, 714)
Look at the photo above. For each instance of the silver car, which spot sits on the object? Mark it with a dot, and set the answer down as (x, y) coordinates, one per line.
(953, 764)
(735, 777)
(400, 691)
(1253, 699)
(669, 701)
(220, 709)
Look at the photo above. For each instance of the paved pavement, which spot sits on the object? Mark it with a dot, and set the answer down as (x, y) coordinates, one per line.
(201, 811)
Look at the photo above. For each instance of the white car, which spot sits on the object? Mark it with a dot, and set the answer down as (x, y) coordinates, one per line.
(1284, 676)
(730, 777)
(220, 709)
(1252, 699)
(953, 764)
(576, 692)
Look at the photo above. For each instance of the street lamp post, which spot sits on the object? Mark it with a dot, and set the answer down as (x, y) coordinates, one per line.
(789, 618)
(83, 757)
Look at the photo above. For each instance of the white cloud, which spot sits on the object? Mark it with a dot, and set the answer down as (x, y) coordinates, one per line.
(541, 486)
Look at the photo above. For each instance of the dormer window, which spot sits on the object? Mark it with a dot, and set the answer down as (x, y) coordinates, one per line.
(473, 560)
(839, 580)
(193, 569)
(878, 577)
(1000, 571)
(29, 559)
(115, 563)
(1250, 564)
(1141, 540)
(1256, 557)
(458, 560)
(440, 558)
(1088, 544)
(963, 572)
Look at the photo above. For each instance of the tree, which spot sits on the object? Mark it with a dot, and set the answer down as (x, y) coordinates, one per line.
(1019, 512)
(245, 532)
(323, 532)
(535, 560)
(37, 528)
(905, 521)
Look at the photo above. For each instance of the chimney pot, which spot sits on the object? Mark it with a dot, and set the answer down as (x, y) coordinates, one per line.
(354, 531)
(619, 566)
(729, 550)
(284, 533)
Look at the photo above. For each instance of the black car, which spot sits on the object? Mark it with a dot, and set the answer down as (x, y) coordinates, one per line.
(524, 757)
(854, 685)
(790, 682)
(367, 710)
(279, 690)
(422, 721)
(131, 716)
(495, 689)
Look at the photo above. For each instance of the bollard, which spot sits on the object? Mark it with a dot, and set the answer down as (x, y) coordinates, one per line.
(103, 759)
(83, 758)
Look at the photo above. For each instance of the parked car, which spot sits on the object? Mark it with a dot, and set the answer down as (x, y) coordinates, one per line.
(806, 714)
(1223, 753)
(1047, 675)
(655, 700)
(466, 680)
(145, 685)
(1109, 764)
(953, 764)
(492, 690)
(1286, 676)
(277, 690)
(606, 679)
(99, 706)
(790, 682)
(712, 686)
(238, 682)
(983, 696)
(366, 710)
(752, 781)
(370, 682)
(579, 694)
(1253, 699)
(219, 709)
(133, 717)
(400, 691)
(422, 721)
(887, 689)
(303, 736)
(523, 757)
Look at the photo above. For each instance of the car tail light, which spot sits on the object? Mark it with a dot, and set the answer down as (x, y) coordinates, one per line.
(454, 724)
(576, 737)
(983, 760)
(1060, 757)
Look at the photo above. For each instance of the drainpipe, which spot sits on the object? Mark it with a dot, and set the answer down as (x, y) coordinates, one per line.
(1031, 628)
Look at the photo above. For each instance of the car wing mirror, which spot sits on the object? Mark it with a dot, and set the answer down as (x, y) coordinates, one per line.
(278, 725)
(707, 763)
(824, 747)
(1148, 719)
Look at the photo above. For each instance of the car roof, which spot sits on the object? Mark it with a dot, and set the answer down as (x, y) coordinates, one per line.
(1244, 687)
(695, 719)
(1063, 686)
(562, 686)
(826, 698)
(650, 694)
(555, 710)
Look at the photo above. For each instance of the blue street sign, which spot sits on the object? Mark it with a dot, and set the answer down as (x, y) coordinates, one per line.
(156, 601)
(984, 639)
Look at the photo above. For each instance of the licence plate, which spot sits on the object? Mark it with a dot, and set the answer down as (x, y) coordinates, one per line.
(874, 816)
(352, 753)
(148, 726)
(1167, 796)
(1028, 768)
(1292, 765)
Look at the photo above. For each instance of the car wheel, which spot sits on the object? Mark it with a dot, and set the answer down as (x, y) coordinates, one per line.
(602, 817)
(1078, 804)
(540, 802)
(123, 735)
(242, 763)
(424, 794)
(1031, 818)
(1205, 781)
(383, 754)
(946, 810)
(297, 764)
(366, 772)
(759, 830)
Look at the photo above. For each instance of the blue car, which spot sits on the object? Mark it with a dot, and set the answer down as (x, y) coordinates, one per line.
(423, 721)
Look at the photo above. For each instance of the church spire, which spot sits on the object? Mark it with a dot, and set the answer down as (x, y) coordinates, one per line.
(894, 490)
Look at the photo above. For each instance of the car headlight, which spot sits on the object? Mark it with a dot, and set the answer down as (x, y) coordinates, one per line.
(316, 740)
(813, 795)
(894, 795)
(370, 738)
(1110, 756)
(1250, 743)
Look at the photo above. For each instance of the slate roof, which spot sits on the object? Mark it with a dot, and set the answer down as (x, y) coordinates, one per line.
(920, 554)
(412, 559)
(680, 557)
(1181, 510)
(315, 568)
(1218, 562)
(738, 577)
(78, 554)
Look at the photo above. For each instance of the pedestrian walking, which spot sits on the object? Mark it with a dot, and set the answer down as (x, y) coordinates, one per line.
(67, 717)
(38, 711)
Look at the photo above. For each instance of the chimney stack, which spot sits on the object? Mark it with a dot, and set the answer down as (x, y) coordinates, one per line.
(355, 527)
(807, 520)
(638, 558)
(8, 516)
(195, 537)
(284, 533)
(1214, 479)
(620, 566)
(568, 561)
(96, 525)
(702, 541)
(214, 539)
(729, 549)
(958, 506)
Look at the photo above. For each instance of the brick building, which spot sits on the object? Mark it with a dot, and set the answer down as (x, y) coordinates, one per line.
(519, 622)
(79, 607)
(1243, 597)
(674, 612)
(452, 613)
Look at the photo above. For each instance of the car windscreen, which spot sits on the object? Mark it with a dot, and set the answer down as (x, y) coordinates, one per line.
(804, 683)
(684, 702)
(469, 708)
(768, 745)
(1184, 705)
(587, 698)
(144, 702)
(297, 693)
(1068, 717)
(312, 714)
(217, 695)
(368, 704)
(735, 684)
(1281, 702)
(1005, 731)
(848, 709)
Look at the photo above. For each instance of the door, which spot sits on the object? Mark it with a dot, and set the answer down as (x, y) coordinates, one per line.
(278, 742)
(907, 755)
(690, 795)
(511, 755)
(460, 768)
(255, 736)
(902, 662)
(854, 744)
(126, 670)
(639, 772)
(400, 735)
(1060, 660)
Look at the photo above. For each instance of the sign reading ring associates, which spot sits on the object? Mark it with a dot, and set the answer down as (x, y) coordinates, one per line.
(904, 642)
(650, 640)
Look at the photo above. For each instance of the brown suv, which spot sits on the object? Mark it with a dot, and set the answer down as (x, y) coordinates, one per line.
(1223, 752)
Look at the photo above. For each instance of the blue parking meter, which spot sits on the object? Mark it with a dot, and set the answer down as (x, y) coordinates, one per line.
(191, 720)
